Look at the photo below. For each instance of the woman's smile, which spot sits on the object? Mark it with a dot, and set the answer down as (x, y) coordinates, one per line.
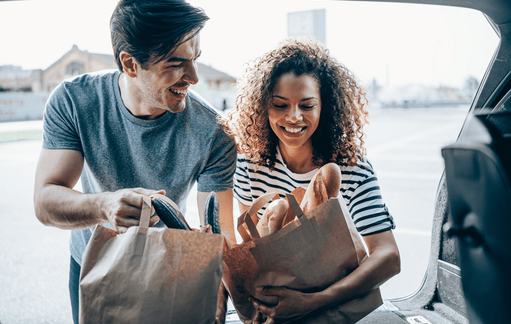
(294, 130)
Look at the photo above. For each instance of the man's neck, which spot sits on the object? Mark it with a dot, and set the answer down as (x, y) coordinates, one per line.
(132, 100)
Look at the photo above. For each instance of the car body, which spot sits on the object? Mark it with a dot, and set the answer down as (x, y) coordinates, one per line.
(467, 277)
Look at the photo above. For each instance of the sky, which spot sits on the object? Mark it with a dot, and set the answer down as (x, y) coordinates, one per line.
(393, 44)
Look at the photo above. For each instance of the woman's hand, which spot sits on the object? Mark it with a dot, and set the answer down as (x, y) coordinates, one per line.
(259, 319)
(292, 305)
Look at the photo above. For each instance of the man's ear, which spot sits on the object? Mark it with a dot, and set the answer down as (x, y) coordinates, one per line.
(129, 64)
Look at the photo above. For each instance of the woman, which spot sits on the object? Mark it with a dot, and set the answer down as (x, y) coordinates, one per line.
(298, 110)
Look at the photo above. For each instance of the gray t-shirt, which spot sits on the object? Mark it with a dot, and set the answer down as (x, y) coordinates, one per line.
(122, 151)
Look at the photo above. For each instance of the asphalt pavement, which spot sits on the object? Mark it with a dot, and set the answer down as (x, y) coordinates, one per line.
(402, 144)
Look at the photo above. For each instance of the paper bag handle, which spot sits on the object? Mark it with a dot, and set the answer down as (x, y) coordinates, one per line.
(247, 218)
(146, 212)
(294, 205)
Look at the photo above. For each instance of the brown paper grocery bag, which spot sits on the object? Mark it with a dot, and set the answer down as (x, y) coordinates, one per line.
(308, 254)
(150, 275)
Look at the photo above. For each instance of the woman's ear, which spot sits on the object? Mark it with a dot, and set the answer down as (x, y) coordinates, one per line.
(129, 64)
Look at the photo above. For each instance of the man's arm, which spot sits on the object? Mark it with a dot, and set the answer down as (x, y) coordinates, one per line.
(57, 204)
(225, 210)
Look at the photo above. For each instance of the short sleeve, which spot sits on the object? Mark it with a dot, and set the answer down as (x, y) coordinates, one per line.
(242, 191)
(363, 198)
(59, 122)
(218, 172)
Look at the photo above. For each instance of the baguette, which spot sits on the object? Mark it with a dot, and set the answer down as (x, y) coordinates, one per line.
(325, 184)
(272, 218)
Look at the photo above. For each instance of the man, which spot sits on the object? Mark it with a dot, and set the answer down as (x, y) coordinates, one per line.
(133, 132)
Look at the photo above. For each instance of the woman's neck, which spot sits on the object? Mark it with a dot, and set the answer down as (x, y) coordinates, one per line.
(298, 160)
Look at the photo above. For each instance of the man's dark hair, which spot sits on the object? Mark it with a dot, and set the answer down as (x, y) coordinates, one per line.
(150, 29)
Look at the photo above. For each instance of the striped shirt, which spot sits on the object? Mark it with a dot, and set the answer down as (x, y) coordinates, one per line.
(359, 189)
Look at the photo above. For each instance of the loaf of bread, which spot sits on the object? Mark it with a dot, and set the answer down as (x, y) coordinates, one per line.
(272, 218)
(325, 184)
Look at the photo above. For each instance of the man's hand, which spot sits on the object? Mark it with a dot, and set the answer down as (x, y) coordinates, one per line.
(57, 204)
(292, 305)
(123, 208)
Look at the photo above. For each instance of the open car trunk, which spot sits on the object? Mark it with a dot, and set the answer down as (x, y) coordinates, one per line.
(467, 276)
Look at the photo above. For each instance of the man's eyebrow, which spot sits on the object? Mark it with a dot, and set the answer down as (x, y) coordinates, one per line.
(176, 59)
(181, 59)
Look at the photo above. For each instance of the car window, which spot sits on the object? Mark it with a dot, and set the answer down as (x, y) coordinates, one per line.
(421, 66)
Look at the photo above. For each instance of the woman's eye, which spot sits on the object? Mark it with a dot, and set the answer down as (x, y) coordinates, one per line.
(307, 107)
(279, 106)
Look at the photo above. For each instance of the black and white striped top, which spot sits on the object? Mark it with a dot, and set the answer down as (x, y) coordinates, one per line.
(359, 188)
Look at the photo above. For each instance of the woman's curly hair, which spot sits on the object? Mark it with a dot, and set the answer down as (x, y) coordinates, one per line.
(339, 136)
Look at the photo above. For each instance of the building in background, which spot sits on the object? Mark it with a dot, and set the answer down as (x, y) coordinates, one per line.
(310, 23)
(216, 80)
(23, 93)
(21, 96)
(14, 79)
(75, 62)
